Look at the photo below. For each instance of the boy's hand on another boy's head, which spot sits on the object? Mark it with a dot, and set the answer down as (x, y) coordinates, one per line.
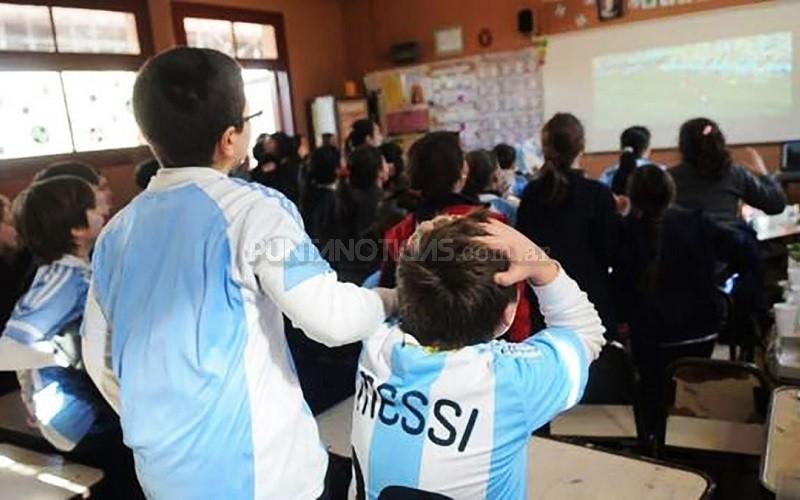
(528, 261)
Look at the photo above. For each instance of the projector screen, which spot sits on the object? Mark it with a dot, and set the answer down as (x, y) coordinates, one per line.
(737, 66)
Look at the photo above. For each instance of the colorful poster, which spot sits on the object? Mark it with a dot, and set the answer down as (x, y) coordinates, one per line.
(392, 92)
(348, 111)
(487, 99)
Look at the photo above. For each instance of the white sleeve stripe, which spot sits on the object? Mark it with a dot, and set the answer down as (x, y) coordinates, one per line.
(572, 363)
(47, 282)
(96, 350)
(34, 334)
(63, 277)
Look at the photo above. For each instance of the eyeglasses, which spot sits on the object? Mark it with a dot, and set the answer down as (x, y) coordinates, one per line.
(254, 115)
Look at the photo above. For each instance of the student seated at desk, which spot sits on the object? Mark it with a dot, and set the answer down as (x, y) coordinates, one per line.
(440, 405)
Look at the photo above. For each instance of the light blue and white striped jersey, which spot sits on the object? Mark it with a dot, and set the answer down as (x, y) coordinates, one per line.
(189, 284)
(458, 422)
(63, 401)
(501, 206)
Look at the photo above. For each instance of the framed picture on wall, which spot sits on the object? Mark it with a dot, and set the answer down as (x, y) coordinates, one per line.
(448, 41)
(348, 111)
(609, 9)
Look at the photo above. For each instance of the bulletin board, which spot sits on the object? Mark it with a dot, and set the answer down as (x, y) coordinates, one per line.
(488, 99)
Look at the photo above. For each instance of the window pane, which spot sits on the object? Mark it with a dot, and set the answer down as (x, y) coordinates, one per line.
(101, 110)
(255, 41)
(209, 34)
(32, 115)
(25, 27)
(286, 102)
(95, 31)
(259, 88)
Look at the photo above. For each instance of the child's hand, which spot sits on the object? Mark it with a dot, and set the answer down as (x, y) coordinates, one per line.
(753, 162)
(528, 261)
(389, 298)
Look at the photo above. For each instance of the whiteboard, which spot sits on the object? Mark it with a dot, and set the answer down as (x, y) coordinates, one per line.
(661, 72)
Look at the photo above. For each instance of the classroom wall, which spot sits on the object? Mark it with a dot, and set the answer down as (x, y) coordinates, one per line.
(373, 26)
(314, 36)
(333, 40)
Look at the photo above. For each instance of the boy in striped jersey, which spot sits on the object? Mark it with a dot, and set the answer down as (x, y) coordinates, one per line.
(58, 220)
(440, 405)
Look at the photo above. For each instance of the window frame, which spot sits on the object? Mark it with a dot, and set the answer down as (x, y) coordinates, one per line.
(182, 10)
(62, 61)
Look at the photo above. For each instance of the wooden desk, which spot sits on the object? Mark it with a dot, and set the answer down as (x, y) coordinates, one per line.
(603, 421)
(30, 475)
(782, 455)
(335, 425)
(559, 470)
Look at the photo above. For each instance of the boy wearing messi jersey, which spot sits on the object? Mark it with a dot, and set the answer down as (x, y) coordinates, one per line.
(440, 405)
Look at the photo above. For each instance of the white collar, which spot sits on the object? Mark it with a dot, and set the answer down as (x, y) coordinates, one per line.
(70, 260)
(167, 178)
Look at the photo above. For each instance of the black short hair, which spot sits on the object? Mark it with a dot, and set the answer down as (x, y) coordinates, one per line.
(184, 99)
(365, 165)
(361, 129)
(324, 165)
(482, 167)
(71, 168)
(47, 211)
(285, 145)
(145, 171)
(393, 153)
(506, 155)
(435, 163)
(445, 284)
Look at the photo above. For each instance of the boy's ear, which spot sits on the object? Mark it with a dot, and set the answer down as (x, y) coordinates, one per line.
(509, 313)
(80, 233)
(226, 145)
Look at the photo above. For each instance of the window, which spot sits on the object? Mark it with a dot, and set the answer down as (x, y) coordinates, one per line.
(67, 70)
(256, 40)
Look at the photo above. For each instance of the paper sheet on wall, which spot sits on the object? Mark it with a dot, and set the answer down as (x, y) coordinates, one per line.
(488, 99)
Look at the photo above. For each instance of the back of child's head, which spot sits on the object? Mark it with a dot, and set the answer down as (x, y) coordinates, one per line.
(71, 168)
(634, 142)
(285, 145)
(563, 140)
(506, 156)
(365, 167)
(145, 171)
(651, 190)
(445, 282)
(325, 162)
(184, 99)
(393, 153)
(47, 211)
(360, 132)
(482, 167)
(703, 147)
(435, 164)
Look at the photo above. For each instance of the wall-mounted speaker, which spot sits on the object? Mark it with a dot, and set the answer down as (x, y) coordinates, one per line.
(405, 53)
(525, 23)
